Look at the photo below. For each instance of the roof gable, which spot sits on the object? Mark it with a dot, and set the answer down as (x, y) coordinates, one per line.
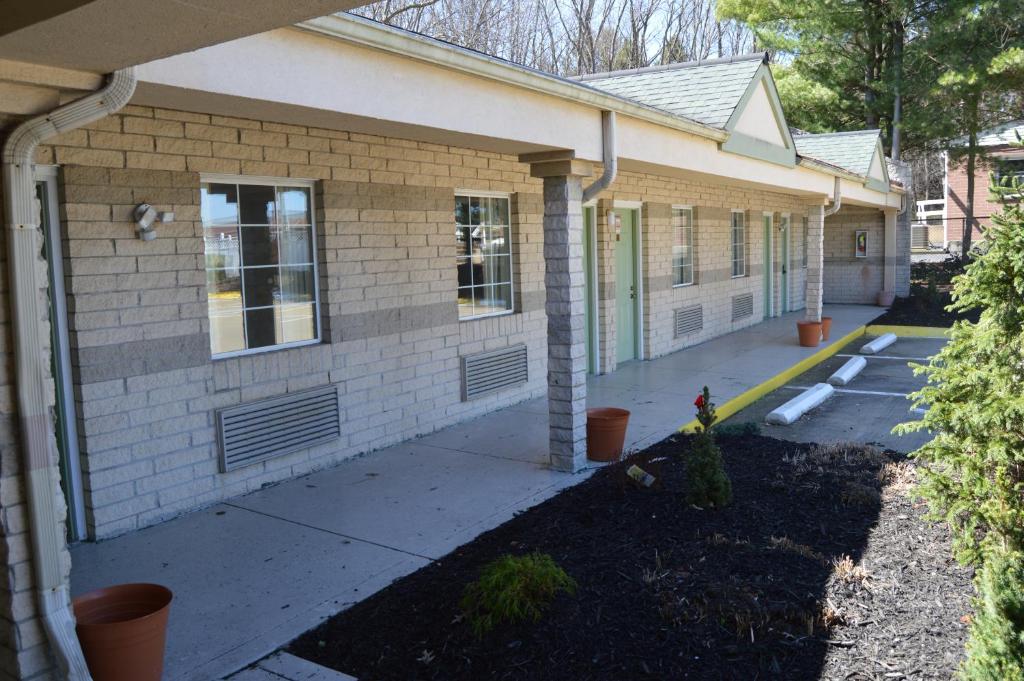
(706, 92)
(758, 124)
(859, 152)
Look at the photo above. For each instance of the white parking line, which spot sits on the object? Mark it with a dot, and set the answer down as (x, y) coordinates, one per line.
(878, 393)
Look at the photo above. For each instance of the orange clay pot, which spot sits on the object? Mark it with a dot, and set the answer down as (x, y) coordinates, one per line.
(122, 630)
(826, 327)
(606, 433)
(810, 333)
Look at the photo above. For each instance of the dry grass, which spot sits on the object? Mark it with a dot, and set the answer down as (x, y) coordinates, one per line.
(832, 615)
(856, 494)
(787, 544)
(900, 476)
(846, 571)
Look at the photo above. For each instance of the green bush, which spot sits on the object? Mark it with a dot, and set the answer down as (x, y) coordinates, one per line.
(972, 471)
(514, 589)
(707, 482)
(995, 651)
(738, 429)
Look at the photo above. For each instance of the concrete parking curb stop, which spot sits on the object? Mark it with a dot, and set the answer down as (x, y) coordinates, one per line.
(800, 405)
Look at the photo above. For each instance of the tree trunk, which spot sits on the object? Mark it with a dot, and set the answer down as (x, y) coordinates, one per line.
(899, 36)
(972, 158)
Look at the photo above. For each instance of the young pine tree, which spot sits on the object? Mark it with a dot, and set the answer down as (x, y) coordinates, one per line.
(972, 472)
(996, 647)
(708, 484)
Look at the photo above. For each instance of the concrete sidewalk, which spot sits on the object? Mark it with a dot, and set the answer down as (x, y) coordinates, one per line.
(251, 574)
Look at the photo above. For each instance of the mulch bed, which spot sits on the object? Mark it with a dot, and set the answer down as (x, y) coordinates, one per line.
(930, 286)
(669, 591)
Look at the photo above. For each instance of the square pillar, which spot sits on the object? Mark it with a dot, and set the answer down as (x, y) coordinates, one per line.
(891, 248)
(815, 284)
(564, 285)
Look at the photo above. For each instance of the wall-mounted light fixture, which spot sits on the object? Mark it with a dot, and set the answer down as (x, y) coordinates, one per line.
(615, 224)
(145, 218)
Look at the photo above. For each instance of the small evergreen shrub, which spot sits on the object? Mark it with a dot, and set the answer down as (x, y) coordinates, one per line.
(996, 647)
(514, 589)
(738, 429)
(708, 484)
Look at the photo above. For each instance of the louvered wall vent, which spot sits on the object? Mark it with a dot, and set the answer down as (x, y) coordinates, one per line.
(488, 372)
(689, 320)
(257, 431)
(742, 306)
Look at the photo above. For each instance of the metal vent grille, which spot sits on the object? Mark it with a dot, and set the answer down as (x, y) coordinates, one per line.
(488, 372)
(742, 306)
(257, 431)
(689, 320)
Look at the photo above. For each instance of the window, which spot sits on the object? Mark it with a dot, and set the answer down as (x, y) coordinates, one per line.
(807, 239)
(260, 265)
(682, 246)
(1010, 168)
(739, 245)
(483, 255)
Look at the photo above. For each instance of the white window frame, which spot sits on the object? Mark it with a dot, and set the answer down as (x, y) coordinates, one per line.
(693, 249)
(733, 244)
(483, 193)
(214, 178)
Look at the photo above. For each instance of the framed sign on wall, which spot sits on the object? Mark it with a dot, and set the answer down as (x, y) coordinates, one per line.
(861, 244)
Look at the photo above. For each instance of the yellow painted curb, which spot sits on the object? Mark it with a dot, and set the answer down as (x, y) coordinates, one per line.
(908, 331)
(747, 398)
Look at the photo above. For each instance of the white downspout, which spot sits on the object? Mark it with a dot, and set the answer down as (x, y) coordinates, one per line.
(32, 361)
(610, 157)
(837, 199)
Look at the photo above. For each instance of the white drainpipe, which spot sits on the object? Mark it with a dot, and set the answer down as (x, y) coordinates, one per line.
(32, 360)
(837, 199)
(611, 158)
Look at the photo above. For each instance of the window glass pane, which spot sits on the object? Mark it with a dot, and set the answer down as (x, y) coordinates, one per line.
(296, 285)
(461, 210)
(499, 211)
(494, 270)
(221, 245)
(261, 286)
(465, 302)
(465, 269)
(227, 330)
(297, 322)
(261, 327)
(256, 204)
(295, 245)
(219, 205)
(477, 210)
(495, 239)
(294, 202)
(258, 247)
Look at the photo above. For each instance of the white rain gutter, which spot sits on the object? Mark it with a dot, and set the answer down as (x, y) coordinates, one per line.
(32, 358)
(837, 199)
(610, 157)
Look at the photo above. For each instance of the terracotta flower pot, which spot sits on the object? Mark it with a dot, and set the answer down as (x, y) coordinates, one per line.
(810, 333)
(826, 327)
(886, 298)
(122, 630)
(606, 433)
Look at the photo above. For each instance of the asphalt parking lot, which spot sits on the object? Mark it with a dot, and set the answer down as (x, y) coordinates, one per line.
(864, 411)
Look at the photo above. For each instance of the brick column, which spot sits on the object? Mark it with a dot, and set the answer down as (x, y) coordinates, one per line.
(815, 284)
(564, 283)
(891, 248)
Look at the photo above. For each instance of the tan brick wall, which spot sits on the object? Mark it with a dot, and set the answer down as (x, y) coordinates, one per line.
(849, 279)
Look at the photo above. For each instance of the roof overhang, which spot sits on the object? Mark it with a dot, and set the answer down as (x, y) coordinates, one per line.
(104, 35)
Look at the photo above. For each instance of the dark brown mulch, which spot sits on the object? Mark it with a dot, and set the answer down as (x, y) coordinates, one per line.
(930, 286)
(668, 591)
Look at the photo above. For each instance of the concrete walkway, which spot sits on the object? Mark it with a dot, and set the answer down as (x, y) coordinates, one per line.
(251, 574)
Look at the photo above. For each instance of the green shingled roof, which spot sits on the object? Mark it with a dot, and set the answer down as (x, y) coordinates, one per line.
(852, 151)
(706, 92)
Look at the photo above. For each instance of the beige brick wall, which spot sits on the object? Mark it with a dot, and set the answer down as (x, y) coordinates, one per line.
(145, 385)
(714, 286)
(849, 279)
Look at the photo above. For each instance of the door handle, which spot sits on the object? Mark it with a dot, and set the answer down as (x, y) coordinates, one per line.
(632, 293)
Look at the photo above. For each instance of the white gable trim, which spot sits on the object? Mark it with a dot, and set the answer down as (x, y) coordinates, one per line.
(757, 127)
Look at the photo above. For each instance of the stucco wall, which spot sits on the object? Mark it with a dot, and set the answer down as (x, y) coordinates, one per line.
(849, 279)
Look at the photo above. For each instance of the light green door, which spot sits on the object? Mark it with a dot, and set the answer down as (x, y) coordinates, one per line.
(784, 264)
(589, 314)
(769, 273)
(625, 288)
